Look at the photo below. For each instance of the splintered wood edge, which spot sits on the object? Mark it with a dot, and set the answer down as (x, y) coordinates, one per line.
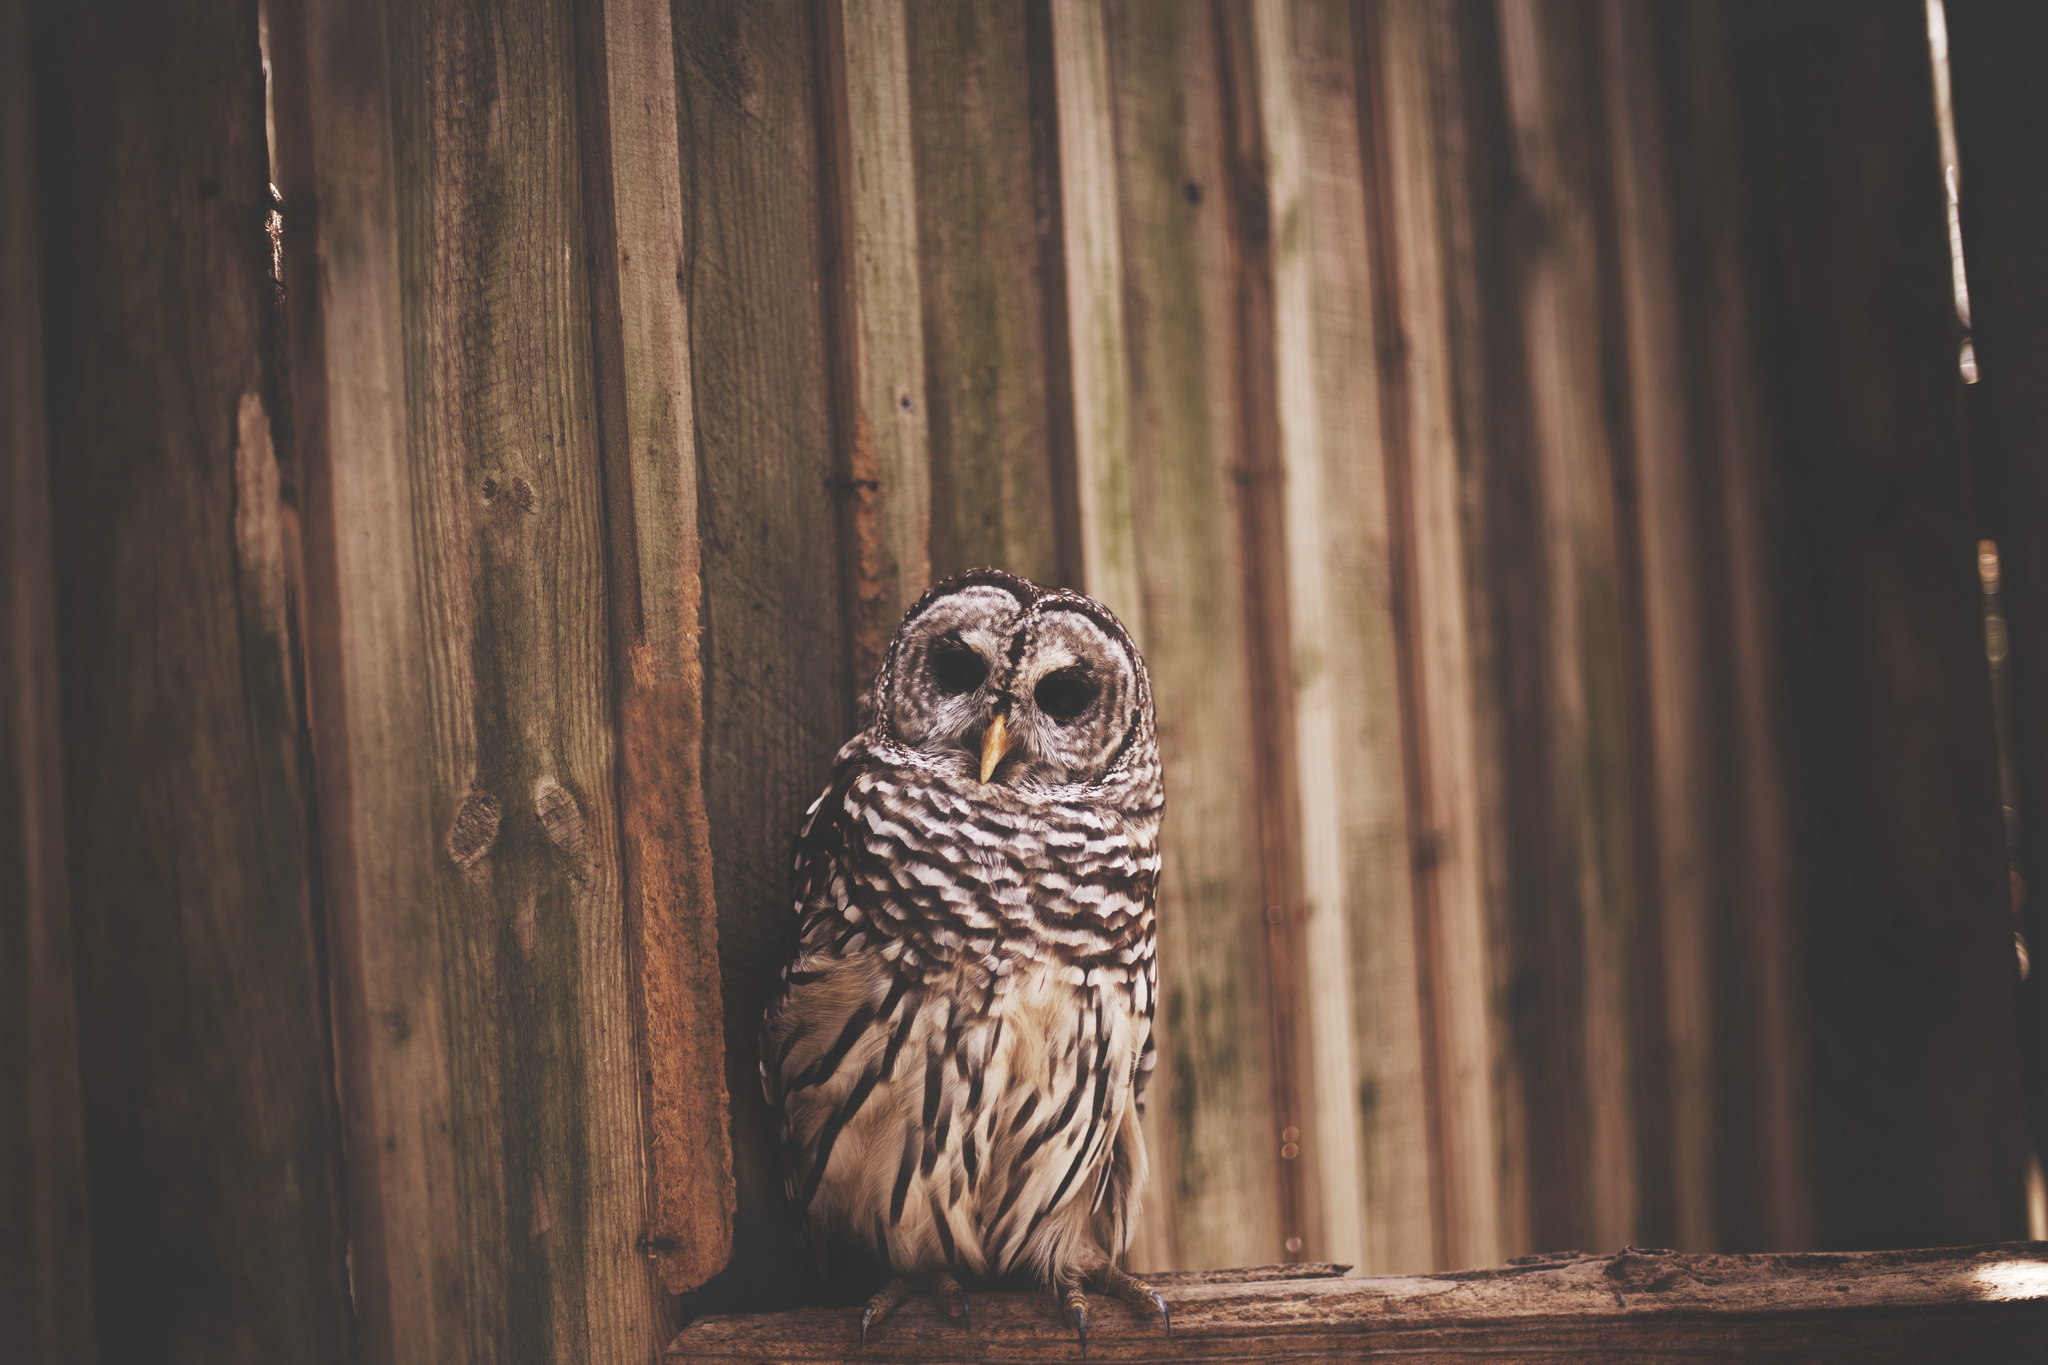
(1809, 1306)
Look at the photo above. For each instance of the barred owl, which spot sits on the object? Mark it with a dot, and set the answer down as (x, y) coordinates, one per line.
(960, 1045)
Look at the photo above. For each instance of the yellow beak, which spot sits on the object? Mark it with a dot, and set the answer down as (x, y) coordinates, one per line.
(994, 745)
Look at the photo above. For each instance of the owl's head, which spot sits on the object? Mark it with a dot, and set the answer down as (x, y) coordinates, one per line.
(1019, 684)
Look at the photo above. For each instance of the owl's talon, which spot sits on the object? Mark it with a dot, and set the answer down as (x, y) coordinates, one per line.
(952, 1298)
(1079, 1313)
(884, 1303)
(1165, 1313)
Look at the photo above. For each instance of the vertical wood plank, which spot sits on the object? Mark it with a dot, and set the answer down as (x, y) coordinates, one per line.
(634, 202)
(1590, 827)
(992, 279)
(778, 692)
(210, 1133)
(1906, 919)
(1995, 53)
(1095, 283)
(879, 348)
(1666, 502)
(1432, 1063)
(364, 648)
(1348, 735)
(45, 1264)
(465, 694)
(1764, 1161)
(1211, 1116)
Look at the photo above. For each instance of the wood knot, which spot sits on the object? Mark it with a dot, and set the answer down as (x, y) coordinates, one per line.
(475, 828)
(514, 490)
(561, 817)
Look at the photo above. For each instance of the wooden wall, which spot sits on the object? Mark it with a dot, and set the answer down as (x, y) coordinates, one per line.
(1524, 437)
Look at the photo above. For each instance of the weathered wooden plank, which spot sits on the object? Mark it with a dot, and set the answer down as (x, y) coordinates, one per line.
(1589, 697)
(1093, 253)
(1448, 1196)
(45, 1263)
(1655, 448)
(878, 336)
(462, 690)
(992, 278)
(1995, 53)
(1211, 1123)
(1905, 899)
(212, 1152)
(1980, 1303)
(363, 648)
(1348, 735)
(1763, 1188)
(777, 694)
(635, 209)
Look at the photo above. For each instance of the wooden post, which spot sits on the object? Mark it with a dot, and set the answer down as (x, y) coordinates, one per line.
(45, 1266)
(211, 1141)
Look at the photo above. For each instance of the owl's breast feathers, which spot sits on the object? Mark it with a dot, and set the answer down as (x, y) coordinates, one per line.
(960, 1046)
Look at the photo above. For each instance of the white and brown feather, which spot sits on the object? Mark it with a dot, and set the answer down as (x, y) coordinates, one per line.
(960, 1046)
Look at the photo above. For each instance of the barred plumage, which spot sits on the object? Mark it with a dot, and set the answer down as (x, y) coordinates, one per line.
(960, 1046)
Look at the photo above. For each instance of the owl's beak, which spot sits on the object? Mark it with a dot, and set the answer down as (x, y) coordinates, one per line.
(994, 744)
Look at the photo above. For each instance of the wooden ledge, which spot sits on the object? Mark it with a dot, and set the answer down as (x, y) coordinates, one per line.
(1984, 1303)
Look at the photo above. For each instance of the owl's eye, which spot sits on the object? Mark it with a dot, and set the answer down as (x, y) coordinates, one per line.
(1065, 693)
(956, 668)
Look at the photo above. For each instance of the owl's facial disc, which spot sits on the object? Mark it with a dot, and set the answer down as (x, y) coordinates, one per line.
(1073, 691)
(945, 673)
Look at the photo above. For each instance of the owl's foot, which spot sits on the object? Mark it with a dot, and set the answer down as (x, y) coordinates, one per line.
(1118, 1284)
(940, 1286)
(1133, 1291)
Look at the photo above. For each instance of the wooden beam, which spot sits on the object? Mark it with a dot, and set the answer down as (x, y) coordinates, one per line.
(1983, 1303)
(45, 1267)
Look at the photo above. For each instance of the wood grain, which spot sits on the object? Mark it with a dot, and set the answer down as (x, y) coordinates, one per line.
(488, 1036)
(1984, 1303)
(45, 1264)
(778, 689)
(1092, 238)
(211, 1143)
(1905, 900)
(634, 205)
(1433, 1051)
(1210, 1118)
(878, 350)
(993, 281)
